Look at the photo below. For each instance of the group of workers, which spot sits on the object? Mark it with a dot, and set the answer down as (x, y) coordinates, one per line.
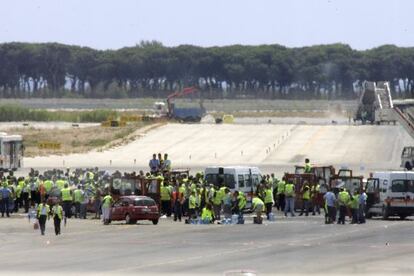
(181, 195)
(69, 193)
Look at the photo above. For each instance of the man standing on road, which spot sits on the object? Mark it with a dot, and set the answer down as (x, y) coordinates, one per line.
(281, 195)
(106, 208)
(77, 198)
(216, 202)
(84, 203)
(97, 203)
(5, 197)
(43, 212)
(67, 200)
(165, 199)
(316, 199)
(330, 203)
(289, 199)
(268, 199)
(305, 199)
(178, 202)
(274, 183)
(343, 200)
(26, 195)
(362, 205)
(57, 212)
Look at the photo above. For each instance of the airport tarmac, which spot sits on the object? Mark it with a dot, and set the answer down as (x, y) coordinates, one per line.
(272, 147)
(299, 245)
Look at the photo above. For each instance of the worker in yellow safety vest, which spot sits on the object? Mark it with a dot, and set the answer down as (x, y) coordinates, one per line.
(192, 206)
(166, 194)
(305, 198)
(281, 194)
(268, 199)
(308, 167)
(77, 199)
(67, 200)
(257, 207)
(289, 199)
(57, 212)
(316, 199)
(43, 213)
(207, 214)
(106, 208)
(343, 200)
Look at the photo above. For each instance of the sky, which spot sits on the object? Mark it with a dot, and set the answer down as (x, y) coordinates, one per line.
(104, 24)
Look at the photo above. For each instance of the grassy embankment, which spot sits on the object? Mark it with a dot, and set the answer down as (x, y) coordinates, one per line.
(71, 140)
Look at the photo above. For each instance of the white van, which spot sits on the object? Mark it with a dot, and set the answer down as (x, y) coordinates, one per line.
(390, 193)
(236, 178)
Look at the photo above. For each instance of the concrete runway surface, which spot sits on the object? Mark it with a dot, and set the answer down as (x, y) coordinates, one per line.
(300, 245)
(272, 147)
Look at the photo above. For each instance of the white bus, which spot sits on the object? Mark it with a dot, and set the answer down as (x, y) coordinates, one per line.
(11, 151)
(236, 178)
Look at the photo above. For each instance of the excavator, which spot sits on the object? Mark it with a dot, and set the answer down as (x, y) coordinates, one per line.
(182, 114)
(377, 106)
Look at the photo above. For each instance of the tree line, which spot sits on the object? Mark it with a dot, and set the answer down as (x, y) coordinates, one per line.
(149, 69)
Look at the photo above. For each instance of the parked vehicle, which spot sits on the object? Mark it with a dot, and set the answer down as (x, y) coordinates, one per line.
(345, 179)
(236, 178)
(407, 158)
(11, 151)
(134, 208)
(390, 194)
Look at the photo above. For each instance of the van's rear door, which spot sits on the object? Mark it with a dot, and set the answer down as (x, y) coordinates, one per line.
(397, 189)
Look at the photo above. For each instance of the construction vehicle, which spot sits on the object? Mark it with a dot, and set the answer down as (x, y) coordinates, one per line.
(375, 104)
(184, 114)
(319, 175)
(11, 151)
(345, 179)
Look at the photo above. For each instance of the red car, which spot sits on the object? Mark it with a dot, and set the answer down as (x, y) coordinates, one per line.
(133, 208)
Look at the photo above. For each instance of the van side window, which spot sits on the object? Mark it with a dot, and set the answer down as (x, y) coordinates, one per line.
(256, 180)
(247, 180)
(398, 186)
(241, 181)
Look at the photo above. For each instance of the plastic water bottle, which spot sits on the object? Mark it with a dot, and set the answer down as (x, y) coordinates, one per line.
(271, 217)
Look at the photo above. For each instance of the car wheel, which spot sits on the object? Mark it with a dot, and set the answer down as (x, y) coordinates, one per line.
(128, 219)
(402, 217)
(385, 213)
(155, 221)
(368, 215)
